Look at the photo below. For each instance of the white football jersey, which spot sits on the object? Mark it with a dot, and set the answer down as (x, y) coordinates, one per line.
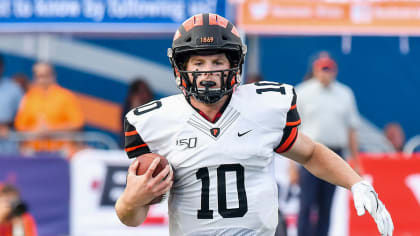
(223, 184)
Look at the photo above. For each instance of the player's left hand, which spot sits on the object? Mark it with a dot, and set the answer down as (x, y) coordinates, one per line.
(365, 197)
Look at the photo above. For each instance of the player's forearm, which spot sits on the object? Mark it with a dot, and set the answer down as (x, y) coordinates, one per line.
(327, 165)
(129, 214)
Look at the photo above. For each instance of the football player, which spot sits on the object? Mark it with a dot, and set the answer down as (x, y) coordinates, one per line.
(220, 139)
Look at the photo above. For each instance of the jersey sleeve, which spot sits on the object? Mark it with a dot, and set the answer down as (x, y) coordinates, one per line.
(290, 131)
(134, 144)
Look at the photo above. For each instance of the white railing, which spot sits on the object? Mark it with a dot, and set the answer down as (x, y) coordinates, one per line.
(411, 145)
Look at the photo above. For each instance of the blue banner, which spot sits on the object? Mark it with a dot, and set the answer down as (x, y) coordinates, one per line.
(136, 16)
(44, 183)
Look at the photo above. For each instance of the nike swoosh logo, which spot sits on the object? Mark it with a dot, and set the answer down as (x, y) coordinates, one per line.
(240, 135)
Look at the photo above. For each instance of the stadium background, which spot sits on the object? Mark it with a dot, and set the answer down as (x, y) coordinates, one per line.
(98, 57)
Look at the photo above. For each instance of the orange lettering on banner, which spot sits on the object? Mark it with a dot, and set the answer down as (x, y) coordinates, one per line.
(193, 21)
(322, 17)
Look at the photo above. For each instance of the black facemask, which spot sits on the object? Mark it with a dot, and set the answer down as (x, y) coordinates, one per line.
(209, 95)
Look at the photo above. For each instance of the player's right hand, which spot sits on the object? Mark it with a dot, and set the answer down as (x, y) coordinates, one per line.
(141, 189)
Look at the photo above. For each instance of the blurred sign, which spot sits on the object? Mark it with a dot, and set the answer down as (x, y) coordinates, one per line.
(371, 17)
(133, 16)
(397, 181)
(97, 180)
(44, 184)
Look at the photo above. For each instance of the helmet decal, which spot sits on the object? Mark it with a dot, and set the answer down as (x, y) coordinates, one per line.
(177, 35)
(215, 19)
(192, 22)
(235, 31)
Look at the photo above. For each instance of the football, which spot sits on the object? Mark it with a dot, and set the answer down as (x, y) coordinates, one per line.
(145, 161)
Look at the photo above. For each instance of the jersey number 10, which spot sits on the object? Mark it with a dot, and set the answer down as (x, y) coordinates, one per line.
(203, 174)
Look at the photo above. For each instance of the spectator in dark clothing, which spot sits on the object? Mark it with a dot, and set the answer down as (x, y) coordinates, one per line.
(22, 80)
(395, 135)
(139, 93)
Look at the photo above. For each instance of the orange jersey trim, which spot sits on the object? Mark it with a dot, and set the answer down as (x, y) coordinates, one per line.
(136, 147)
(131, 133)
(293, 123)
(293, 107)
(289, 140)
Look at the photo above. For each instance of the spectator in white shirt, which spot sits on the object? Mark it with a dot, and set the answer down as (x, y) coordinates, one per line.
(329, 116)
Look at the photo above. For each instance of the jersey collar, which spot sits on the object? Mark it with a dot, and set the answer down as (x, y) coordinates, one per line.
(218, 114)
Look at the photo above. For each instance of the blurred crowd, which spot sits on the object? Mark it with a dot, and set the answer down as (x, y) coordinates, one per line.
(44, 115)
(41, 108)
